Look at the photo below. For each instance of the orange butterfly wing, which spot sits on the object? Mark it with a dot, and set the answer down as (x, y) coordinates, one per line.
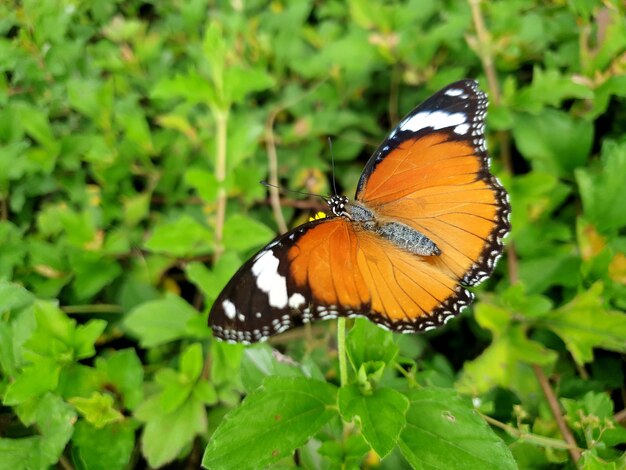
(351, 271)
(445, 192)
(430, 174)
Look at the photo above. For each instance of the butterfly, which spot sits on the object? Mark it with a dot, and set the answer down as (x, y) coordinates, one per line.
(427, 221)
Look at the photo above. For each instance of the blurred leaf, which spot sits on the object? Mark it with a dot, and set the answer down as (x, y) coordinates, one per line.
(553, 141)
(123, 370)
(601, 188)
(443, 431)
(167, 433)
(212, 281)
(182, 237)
(584, 324)
(503, 363)
(381, 415)
(241, 233)
(160, 321)
(105, 448)
(191, 362)
(271, 423)
(55, 420)
(98, 409)
(34, 380)
(550, 87)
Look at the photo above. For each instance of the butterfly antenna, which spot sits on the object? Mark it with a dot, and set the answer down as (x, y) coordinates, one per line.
(285, 190)
(332, 161)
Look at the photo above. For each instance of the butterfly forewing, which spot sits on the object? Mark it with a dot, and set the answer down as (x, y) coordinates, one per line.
(430, 174)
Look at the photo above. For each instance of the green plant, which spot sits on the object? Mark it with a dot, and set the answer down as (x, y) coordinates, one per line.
(133, 135)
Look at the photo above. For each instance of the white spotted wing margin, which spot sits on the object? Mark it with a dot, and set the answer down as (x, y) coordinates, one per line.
(260, 300)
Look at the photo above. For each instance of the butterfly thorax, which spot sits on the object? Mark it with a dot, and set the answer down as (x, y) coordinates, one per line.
(401, 235)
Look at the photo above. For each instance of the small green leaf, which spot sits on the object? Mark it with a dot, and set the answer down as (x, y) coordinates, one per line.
(98, 409)
(182, 237)
(85, 338)
(443, 431)
(271, 423)
(381, 414)
(241, 233)
(124, 371)
(368, 343)
(160, 321)
(191, 362)
(585, 324)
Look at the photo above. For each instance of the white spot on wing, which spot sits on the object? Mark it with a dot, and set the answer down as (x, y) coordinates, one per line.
(454, 92)
(296, 300)
(462, 129)
(229, 309)
(434, 119)
(265, 269)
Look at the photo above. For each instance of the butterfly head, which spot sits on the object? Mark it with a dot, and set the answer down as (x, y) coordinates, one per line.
(338, 205)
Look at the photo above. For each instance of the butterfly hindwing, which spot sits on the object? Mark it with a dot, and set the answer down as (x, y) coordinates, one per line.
(329, 268)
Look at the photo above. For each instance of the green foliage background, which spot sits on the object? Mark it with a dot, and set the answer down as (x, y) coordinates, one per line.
(133, 135)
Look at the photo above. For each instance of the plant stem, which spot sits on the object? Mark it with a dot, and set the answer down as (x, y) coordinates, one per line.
(94, 308)
(556, 412)
(272, 158)
(529, 437)
(341, 350)
(221, 124)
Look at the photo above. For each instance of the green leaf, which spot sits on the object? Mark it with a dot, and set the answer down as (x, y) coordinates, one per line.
(241, 233)
(368, 343)
(260, 362)
(160, 321)
(602, 188)
(98, 409)
(553, 141)
(550, 87)
(212, 281)
(504, 363)
(54, 420)
(443, 431)
(123, 369)
(14, 297)
(34, 380)
(103, 449)
(182, 237)
(240, 81)
(381, 414)
(584, 324)
(191, 362)
(166, 434)
(271, 423)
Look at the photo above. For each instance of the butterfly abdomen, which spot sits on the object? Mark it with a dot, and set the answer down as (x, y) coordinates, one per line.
(401, 235)
(408, 239)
